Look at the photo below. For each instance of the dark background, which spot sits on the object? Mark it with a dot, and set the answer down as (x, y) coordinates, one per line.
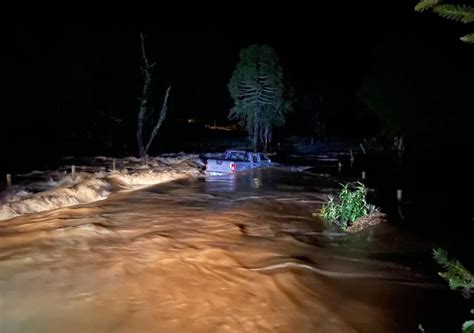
(65, 82)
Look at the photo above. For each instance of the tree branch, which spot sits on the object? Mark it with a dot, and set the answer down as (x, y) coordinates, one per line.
(164, 110)
(269, 89)
(248, 95)
(265, 98)
(145, 59)
(247, 85)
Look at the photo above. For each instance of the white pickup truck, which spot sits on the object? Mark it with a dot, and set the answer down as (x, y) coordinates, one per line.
(236, 160)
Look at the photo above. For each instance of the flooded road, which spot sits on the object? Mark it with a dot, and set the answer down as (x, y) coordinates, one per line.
(212, 254)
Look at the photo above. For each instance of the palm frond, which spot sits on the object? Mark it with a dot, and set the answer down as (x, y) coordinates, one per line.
(469, 38)
(426, 4)
(454, 12)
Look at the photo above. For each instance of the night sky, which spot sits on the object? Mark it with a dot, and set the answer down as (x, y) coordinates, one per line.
(66, 82)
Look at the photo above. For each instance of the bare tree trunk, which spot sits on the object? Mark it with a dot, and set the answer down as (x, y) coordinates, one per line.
(144, 107)
(265, 138)
(400, 146)
(142, 112)
(164, 110)
(270, 137)
(147, 70)
(141, 115)
(261, 133)
(255, 130)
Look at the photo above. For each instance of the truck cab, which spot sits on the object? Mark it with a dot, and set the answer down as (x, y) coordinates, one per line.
(237, 160)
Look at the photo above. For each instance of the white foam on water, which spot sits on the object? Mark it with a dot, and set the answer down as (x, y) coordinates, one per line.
(61, 190)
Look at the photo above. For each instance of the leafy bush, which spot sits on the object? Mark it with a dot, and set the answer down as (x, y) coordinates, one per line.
(352, 205)
(458, 277)
(468, 326)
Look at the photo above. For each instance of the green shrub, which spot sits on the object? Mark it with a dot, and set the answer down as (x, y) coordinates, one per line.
(468, 326)
(458, 277)
(352, 205)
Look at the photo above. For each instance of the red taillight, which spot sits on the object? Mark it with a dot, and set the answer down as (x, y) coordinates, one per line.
(232, 167)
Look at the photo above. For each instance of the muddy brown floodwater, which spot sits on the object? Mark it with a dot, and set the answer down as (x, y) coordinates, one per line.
(217, 254)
